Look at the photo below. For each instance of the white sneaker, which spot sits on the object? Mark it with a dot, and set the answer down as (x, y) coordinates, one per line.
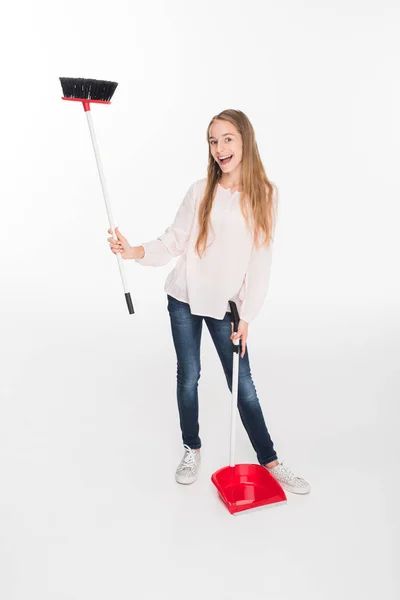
(288, 481)
(188, 468)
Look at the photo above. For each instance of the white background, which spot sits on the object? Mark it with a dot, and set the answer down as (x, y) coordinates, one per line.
(89, 434)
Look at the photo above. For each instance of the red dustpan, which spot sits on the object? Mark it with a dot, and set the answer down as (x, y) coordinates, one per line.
(244, 487)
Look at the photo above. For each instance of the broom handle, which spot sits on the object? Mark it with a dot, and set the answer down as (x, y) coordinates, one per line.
(108, 207)
(235, 384)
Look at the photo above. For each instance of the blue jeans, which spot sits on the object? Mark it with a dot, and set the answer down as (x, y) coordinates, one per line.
(186, 332)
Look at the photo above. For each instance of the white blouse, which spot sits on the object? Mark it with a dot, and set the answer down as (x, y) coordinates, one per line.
(231, 269)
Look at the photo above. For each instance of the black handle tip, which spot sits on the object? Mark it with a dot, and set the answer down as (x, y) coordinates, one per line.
(129, 303)
(235, 315)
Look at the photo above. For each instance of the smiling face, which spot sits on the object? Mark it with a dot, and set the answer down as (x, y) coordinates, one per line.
(226, 147)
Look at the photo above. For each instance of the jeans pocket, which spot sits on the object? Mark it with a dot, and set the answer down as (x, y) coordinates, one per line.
(174, 304)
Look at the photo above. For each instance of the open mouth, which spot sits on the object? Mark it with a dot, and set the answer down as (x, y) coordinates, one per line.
(224, 160)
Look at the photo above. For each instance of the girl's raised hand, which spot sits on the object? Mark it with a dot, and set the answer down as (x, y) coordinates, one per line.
(121, 245)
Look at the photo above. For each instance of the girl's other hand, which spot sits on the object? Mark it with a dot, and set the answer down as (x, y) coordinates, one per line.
(241, 334)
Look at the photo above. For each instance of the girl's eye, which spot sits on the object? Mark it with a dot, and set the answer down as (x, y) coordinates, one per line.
(228, 138)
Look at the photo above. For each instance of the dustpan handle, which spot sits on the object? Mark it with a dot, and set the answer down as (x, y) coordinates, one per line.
(235, 383)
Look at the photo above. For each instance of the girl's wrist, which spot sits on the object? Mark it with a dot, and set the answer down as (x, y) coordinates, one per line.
(137, 252)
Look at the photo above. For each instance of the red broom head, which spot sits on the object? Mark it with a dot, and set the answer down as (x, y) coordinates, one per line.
(87, 90)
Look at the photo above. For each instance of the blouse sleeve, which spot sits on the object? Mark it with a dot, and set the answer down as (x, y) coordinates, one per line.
(256, 282)
(174, 240)
(258, 275)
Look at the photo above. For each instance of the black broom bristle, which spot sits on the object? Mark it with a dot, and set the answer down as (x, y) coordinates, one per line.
(88, 89)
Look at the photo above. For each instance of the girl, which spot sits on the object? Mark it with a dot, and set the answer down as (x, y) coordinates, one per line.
(239, 203)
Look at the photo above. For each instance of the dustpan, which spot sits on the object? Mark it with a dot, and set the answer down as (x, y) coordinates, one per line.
(244, 487)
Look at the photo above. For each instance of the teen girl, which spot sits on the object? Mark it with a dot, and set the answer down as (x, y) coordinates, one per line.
(238, 203)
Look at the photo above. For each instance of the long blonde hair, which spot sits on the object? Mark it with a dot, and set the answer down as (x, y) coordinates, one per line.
(259, 195)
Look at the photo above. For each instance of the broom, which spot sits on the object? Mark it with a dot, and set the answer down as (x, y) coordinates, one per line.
(98, 92)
